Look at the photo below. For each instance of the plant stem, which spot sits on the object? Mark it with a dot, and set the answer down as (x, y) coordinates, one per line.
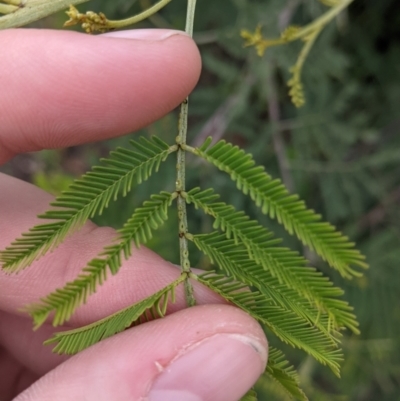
(322, 21)
(7, 9)
(157, 20)
(139, 17)
(17, 3)
(190, 17)
(180, 177)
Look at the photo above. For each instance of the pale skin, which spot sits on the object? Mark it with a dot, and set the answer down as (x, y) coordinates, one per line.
(61, 89)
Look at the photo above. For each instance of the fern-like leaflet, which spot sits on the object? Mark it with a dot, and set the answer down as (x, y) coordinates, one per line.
(280, 370)
(274, 199)
(138, 230)
(287, 324)
(155, 306)
(282, 263)
(233, 260)
(86, 198)
(273, 284)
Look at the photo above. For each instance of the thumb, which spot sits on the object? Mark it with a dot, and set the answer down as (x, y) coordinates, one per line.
(205, 353)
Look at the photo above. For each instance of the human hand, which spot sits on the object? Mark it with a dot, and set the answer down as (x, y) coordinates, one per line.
(60, 89)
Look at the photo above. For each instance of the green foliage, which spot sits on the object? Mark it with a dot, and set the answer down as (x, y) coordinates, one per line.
(306, 314)
(280, 370)
(72, 341)
(276, 201)
(138, 229)
(342, 150)
(86, 198)
(287, 266)
(289, 326)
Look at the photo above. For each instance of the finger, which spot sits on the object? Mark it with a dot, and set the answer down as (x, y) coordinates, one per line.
(63, 88)
(142, 275)
(139, 277)
(14, 378)
(26, 347)
(203, 353)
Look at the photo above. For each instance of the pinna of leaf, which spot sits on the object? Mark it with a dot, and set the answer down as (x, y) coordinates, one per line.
(291, 300)
(275, 285)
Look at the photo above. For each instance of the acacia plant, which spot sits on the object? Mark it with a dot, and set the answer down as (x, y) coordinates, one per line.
(275, 285)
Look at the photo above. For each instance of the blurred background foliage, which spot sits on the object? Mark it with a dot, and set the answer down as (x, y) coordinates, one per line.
(340, 152)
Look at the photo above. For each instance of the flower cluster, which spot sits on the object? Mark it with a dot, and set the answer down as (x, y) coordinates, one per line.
(296, 91)
(90, 21)
(257, 40)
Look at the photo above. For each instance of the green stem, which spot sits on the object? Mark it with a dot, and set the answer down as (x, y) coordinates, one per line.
(7, 9)
(157, 20)
(139, 17)
(190, 17)
(17, 3)
(306, 49)
(180, 177)
(321, 21)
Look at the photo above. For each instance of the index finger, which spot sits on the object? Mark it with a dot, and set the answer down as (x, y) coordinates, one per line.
(142, 275)
(63, 88)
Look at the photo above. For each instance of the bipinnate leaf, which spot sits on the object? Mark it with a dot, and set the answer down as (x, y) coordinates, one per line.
(282, 263)
(86, 198)
(275, 200)
(286, 325)
(138, 230)
(233, 260)
(155, 306)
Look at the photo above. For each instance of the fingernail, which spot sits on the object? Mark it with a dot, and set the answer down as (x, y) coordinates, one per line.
(222, 367)
(145, 34)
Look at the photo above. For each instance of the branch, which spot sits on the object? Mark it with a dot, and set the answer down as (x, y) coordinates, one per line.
(33, 10)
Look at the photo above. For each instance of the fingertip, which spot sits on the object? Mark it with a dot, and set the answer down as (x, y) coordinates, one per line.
(64, 88)
(207, 353)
